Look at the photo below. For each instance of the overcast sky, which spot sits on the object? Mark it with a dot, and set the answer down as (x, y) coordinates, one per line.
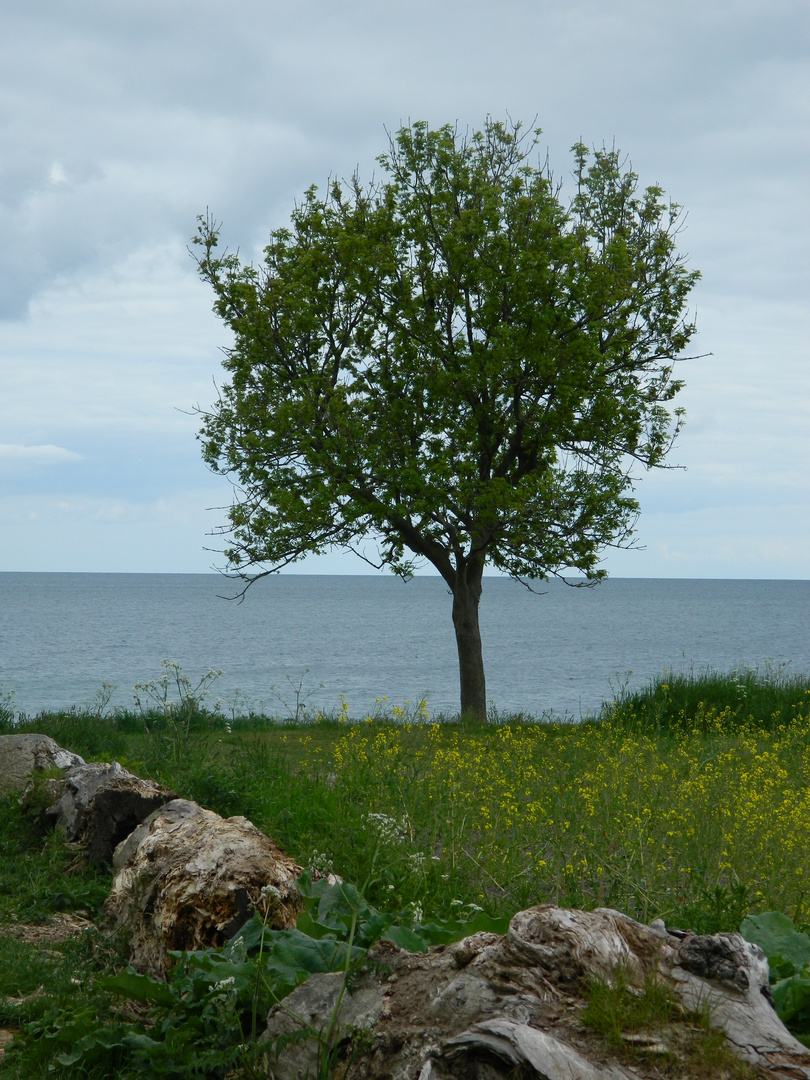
(121, 122)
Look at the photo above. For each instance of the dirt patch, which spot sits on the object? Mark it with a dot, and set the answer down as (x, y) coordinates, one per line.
(6, 1038)
(62, 927)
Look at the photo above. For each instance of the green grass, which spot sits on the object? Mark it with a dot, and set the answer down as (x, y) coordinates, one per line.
(689, 801)
(37, 873)
(43, 983)
(619, 1010)
(762, 698)
(612, 1009)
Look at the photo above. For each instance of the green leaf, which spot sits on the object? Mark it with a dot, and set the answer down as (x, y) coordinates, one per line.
(372, 927)
(405, 938)
(791, 999)
(140, 988)
(308, 925)
(294, 951)
(98, 1044)
(250, 936)
(777, 936)
(446, 931)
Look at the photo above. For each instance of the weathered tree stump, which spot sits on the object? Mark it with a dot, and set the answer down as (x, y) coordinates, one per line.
(99, 804)
(489, 1008)
(187, 879)
(22, 756)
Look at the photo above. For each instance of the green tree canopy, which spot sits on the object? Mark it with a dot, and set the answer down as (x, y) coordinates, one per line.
(453, 361)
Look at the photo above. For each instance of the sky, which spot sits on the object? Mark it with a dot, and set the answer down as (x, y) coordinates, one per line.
(121, 122)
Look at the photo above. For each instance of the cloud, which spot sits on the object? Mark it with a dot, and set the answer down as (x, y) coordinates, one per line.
(127, 121)
(46, 454)
(124, 121)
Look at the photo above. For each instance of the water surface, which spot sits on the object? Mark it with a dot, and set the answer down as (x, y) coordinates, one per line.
(565, 650)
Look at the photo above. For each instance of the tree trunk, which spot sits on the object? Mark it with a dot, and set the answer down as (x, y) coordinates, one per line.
(187, 879)
(466, 594)
(494, 1008)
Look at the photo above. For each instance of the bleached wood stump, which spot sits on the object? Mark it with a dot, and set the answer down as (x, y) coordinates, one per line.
(188, 879)
(23, 756)
(489, 1008)
(99, 804)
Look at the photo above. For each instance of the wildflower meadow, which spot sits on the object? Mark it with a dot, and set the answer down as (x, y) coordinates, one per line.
(687, 802)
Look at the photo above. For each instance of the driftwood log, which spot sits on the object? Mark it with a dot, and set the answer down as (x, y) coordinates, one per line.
(188, 879)
(99, 804)
(23, 756)
(489, 1008)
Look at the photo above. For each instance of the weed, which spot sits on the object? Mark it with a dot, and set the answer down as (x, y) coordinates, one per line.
(619, 1010)
(99, 706)
(158, 695)
(614, 1008)
(6, 709)
(707, 1054)
(746, 697)
(715, 910)
(296, 710)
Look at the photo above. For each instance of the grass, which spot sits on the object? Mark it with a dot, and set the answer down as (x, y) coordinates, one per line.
(687, 801)
(752, 697)
(43, 980)
(619, 1012)
(38, 877)
(681, 801)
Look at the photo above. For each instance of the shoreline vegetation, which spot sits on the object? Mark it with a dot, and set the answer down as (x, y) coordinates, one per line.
(687, 801)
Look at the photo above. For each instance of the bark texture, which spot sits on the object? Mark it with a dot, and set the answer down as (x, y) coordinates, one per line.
(188, 879)
(98, 805)
(489, 1008)
(466, 598)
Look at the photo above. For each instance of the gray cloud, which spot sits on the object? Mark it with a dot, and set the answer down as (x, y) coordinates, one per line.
(121, 122)
(128, 120)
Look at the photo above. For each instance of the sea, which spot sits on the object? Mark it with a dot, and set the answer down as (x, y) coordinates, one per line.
(376, 642)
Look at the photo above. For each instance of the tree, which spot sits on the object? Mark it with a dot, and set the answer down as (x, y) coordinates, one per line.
(453, 362)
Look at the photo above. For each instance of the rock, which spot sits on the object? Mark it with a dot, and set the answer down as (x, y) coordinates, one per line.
(489, 1008)
(100, 804)
(188, 879)
(313, 1004)
(22, 756)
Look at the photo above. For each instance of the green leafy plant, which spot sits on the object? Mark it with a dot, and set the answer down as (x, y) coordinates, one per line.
(337, 913)
(214, 998)
(788, 952)
(6, 709)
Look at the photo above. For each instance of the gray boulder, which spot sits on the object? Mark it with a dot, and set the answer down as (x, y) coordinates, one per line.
(23, 756)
